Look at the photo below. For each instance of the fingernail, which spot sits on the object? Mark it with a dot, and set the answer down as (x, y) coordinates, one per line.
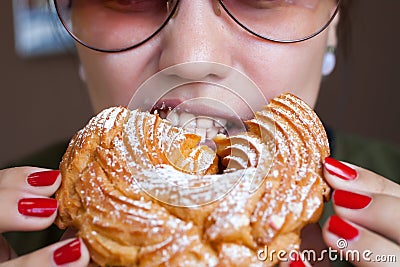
(37, 207)
(341, 228)
(297, 262)
(68, 253)
(43, 178)
(339, 169)
(350, 200)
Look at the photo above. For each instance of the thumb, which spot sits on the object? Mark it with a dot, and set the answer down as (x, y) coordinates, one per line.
(296, 260)
(70, 252)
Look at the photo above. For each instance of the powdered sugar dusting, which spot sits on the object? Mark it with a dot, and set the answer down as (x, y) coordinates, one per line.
(143, 186)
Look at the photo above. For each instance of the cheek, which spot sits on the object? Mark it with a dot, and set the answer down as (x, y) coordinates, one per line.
(278, 68)
(113, 78)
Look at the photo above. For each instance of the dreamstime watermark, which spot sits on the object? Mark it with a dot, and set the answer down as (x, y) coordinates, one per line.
(341, 254)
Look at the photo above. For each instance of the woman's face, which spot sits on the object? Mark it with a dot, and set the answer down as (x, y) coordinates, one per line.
(196, 33)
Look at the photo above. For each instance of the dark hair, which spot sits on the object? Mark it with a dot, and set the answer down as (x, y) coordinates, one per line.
(344, 27)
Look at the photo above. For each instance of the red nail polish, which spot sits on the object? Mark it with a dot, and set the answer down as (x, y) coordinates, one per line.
(350, 200)
(297, 262)
(43, 178)
(68, 253)
(341, 228)
(339, 169)
(37, 207)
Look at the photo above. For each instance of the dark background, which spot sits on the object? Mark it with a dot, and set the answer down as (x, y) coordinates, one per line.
(42, 100)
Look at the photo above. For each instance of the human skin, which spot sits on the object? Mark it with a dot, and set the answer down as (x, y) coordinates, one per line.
(196, 33)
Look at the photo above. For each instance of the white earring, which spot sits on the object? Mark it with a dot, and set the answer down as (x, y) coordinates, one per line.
(82, 73)
(329, 61)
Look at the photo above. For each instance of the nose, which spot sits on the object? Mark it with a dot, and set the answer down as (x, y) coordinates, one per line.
(196, 34)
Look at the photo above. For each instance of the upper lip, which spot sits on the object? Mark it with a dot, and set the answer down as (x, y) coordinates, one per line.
(166, 104)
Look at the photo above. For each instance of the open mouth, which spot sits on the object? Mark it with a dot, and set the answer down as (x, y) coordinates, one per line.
(198, 119)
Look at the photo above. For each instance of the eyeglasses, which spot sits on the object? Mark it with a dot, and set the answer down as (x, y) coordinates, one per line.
(119, 25)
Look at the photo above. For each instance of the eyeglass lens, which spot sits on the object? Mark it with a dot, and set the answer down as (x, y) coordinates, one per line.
(112, 25)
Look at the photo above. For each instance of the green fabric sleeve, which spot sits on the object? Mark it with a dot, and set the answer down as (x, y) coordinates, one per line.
(381, 158)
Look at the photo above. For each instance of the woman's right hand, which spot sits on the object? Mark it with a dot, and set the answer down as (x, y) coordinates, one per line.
(25, 206)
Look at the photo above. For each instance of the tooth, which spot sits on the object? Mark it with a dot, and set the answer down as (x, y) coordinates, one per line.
(204, 123)
(163, 114)
(173, 117)
(202, 132)
(220, 122)
(190, 130)
(187, 119)
(222, 130)
(211, 132)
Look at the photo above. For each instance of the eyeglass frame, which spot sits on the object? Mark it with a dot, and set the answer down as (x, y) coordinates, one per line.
(172, 14)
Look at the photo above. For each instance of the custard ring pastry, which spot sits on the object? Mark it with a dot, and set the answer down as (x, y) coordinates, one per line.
(144, 193)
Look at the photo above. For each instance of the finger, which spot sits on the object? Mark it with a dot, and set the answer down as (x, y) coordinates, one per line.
(297, 260)
(6, 252)
(348, 177)
(71, 252)
(69, 233)
(312, 241)
(38, 181)
(25, 212)
(373, 211)
(311, 249)
(359, 245)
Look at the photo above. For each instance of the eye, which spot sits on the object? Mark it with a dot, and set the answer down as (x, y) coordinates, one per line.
(135, 5)
(258, 4)
(269, 4)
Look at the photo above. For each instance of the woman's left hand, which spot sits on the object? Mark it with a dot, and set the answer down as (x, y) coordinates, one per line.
(367, 220)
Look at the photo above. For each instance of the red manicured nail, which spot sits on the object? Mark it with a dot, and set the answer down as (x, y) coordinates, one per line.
(350, 200)
(297, 262)
(68, 253)
(37, 207)
(339, 169)
(43, 178)
(341, 228)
